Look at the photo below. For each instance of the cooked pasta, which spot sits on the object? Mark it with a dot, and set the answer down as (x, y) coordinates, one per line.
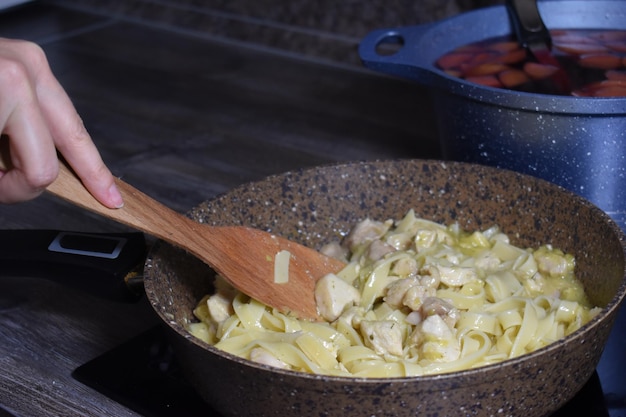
(415, 298)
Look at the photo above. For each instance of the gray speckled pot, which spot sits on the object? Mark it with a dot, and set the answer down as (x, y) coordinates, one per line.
(318, 205)
(579, 143)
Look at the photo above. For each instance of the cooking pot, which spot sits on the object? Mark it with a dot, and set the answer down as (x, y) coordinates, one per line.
(578, 143)
(319, 205)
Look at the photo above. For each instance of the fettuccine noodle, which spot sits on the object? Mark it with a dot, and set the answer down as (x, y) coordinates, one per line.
(415, 298)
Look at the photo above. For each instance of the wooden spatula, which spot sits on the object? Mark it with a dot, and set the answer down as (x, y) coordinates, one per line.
(243, 255)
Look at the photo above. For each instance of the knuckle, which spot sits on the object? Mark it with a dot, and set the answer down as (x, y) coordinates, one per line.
(14, 73)
(20, 67)
(40, 178)
(32, 55)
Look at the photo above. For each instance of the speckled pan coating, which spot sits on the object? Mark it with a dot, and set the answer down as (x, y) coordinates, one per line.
(319, 205)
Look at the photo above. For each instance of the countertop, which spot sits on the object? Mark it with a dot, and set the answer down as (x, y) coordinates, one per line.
(183, 116)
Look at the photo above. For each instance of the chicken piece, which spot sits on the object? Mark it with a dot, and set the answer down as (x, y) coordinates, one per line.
(335, 250)
(552, 263)
(404, 267)
(456, 276)
(384, 337)
(436, 306)
(408, 292)
(396, 291)
(220, 304)
(415, 296)
(378, 249)
(414, 317)
(429, 276)
(366, 231)
(435, 340)
(262, 356)
(220, 307)
(333, 295)
(535, 284)
(353, 315)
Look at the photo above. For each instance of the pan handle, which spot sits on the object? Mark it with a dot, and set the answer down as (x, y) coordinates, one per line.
(395, 51)
(107, 265)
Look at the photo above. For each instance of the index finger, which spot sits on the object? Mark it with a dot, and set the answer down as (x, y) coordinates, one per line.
(72, 139)
(29, 160)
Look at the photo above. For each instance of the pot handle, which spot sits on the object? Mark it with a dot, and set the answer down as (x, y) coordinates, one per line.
(394, 51)
(107, 265)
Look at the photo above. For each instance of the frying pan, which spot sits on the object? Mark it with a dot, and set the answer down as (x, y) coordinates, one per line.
(319, 205)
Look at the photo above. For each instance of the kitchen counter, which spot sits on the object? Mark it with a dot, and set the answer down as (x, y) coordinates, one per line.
(183, 116)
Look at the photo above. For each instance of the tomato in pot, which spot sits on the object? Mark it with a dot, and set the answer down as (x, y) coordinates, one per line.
(594, 61)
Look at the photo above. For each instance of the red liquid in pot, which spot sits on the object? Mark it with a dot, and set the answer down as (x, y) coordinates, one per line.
(594, 61)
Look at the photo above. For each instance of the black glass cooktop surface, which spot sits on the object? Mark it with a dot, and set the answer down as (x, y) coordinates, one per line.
(143, 375)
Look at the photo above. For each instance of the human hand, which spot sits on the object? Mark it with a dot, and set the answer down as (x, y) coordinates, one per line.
(37, 119)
